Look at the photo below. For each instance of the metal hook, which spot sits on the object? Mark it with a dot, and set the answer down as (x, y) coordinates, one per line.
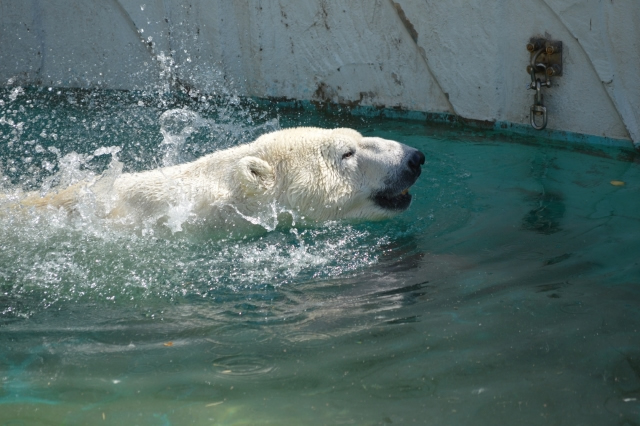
(550, 63)
(534, 58)
(537, 108)
(532, 67)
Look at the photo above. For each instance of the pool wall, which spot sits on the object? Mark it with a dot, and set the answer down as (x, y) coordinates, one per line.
(461, 59)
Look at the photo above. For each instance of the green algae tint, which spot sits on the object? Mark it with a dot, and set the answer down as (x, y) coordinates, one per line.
(507, 294)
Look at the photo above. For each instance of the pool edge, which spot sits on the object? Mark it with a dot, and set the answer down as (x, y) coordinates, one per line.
(503, 127)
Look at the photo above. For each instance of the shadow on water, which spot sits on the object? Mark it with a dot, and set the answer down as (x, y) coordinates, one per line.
(547, 214)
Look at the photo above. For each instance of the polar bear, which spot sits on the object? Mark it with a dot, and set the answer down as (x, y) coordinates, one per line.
(315, 174)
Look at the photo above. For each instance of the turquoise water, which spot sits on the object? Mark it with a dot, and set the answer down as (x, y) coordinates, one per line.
(507, 294)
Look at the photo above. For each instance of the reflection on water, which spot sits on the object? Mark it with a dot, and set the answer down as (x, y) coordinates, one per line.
(507, 294)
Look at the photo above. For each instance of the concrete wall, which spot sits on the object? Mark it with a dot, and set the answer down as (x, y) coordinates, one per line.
(463, 57)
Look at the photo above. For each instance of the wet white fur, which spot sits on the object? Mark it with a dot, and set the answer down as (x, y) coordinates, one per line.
(303, 170)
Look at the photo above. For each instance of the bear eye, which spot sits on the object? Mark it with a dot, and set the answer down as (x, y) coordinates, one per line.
(348, 154)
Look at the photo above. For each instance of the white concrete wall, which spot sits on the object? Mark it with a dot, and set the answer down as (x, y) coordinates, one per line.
(465, 57)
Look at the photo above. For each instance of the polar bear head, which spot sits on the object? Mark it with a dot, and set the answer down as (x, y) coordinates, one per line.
(334, 174)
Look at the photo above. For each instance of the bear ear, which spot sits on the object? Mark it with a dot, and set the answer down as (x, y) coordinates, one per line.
(255, 175)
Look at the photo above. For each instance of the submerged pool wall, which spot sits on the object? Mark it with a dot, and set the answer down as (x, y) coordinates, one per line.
(459, 60)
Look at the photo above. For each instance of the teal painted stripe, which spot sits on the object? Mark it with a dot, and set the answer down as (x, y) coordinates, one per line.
(508, 128)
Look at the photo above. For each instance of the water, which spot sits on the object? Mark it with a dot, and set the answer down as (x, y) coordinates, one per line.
(507, 294)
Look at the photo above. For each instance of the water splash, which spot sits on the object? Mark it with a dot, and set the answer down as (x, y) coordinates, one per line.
(178, 214)
(50, 257)
(176, 125)
(167, 73)
(15, 92)
(270, 217)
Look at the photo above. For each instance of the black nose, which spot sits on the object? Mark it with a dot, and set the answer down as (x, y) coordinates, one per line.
(416, 159)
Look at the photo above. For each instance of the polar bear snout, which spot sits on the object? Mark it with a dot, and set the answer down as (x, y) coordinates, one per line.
(395, 195)
(415, 160)
(410, 170)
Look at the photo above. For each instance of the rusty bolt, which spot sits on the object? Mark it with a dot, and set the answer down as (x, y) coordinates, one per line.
(553, 70)
(535, 44)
